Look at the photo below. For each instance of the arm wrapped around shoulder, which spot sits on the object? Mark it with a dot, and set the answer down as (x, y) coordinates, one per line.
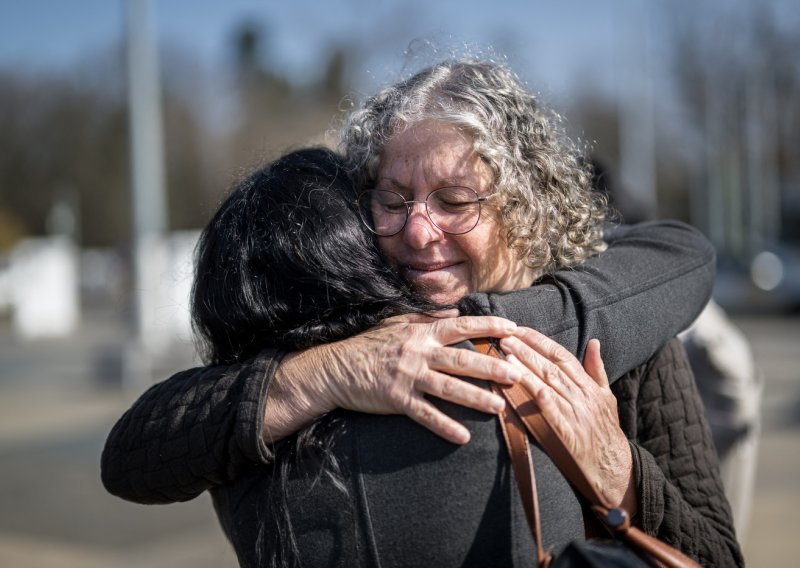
(199, 428)
(648, 285)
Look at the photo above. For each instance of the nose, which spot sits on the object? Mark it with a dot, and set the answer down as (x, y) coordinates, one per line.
(420, 231)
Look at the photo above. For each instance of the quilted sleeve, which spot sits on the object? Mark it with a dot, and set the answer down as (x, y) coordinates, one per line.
(197, 429)
(681, 496)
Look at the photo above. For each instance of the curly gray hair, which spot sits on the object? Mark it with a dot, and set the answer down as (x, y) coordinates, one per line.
(550, 215)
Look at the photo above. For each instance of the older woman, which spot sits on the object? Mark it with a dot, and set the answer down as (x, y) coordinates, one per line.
(472, 189)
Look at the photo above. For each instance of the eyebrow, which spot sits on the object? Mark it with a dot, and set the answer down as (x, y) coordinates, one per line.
(443, 182)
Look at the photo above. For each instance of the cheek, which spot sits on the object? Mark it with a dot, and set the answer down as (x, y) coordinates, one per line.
(388, 245)
(488, 256)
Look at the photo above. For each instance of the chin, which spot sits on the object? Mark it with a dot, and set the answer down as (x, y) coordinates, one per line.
(443, 297)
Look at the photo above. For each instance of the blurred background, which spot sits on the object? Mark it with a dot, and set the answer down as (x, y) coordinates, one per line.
(123, 122)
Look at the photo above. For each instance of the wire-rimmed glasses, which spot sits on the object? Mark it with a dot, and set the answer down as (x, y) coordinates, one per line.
(454, 210)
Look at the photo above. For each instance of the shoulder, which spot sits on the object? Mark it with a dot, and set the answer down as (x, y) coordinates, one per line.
(670, 357)
(669, 364)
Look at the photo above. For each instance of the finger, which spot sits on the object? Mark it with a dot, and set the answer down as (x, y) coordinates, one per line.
(542, 393)
(420, 318)
(424, 318)
(555, 353)
(540, 366)
(458, 329)
(442, 314)
(426, 414)
(461, 392)
(593, 363)
(464, 362)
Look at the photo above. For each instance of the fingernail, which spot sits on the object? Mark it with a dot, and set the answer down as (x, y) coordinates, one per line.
(462, 436)
(497, 404)
(513, 374)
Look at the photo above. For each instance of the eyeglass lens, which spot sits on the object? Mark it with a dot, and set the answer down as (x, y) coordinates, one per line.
(454, 210)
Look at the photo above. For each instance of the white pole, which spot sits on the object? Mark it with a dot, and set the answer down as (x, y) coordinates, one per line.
(149, 201)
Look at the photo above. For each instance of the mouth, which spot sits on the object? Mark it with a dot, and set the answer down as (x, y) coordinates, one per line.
(413, 271)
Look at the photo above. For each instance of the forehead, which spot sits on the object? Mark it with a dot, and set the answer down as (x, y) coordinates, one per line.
(431, 153)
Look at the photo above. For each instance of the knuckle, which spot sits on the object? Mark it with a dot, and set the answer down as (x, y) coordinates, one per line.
(550, 373)
(442, 324)
(392, 394)
(449, 387)
(557, 352)
(461, 358)
(543, 396)
(462, 325)
(411, 352)
(425, 414)
(403, 349)
(397, 393)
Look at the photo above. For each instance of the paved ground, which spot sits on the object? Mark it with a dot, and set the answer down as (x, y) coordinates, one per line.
(775, 524)
(58, 400)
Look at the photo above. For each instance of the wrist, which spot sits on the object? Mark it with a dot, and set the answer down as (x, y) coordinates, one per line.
(630, 496)
(297, 395)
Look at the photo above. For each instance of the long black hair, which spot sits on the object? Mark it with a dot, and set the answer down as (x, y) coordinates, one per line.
(286, 262)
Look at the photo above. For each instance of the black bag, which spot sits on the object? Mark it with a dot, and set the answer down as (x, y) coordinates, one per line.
(598, 553)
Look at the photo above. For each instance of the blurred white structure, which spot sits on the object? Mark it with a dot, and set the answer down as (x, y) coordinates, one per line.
(43, 287)
(164, 304)
(171, 317)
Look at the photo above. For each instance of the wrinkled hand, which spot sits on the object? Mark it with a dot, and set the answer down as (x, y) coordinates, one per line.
(578, 404)
(390, 370)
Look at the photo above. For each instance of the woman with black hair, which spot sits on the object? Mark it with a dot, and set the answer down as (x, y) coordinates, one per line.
(285, 262)
(286, 257)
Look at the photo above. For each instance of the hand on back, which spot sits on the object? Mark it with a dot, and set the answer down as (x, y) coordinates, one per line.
(390, 369)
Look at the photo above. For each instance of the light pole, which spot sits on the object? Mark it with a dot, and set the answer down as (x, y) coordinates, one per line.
(149, 201)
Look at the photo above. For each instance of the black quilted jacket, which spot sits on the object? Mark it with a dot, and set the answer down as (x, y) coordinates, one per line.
(681, 496)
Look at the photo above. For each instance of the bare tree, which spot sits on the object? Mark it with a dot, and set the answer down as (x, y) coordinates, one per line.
(738, 78)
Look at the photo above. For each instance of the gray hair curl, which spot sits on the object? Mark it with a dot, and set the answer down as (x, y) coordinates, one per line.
(549, 213)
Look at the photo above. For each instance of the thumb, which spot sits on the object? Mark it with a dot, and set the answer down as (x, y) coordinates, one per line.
(593, 363)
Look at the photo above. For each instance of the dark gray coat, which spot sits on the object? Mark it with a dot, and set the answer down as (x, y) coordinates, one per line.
(408, 498)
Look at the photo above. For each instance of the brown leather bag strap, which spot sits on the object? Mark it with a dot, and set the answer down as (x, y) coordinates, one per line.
(516, 438)
(521, 401)
(616, 520)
